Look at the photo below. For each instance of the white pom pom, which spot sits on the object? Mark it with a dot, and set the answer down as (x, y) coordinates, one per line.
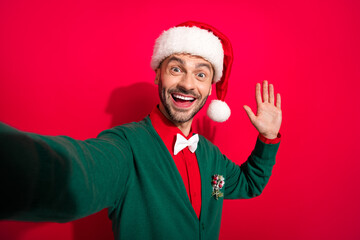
(218, 111)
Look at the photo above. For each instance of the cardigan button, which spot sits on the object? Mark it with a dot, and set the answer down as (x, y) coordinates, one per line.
(203, 226)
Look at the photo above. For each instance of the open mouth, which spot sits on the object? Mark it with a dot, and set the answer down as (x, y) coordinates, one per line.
(182, 99)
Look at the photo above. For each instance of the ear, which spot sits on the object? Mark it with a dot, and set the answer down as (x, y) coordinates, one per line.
(157, 77)
(210, 89)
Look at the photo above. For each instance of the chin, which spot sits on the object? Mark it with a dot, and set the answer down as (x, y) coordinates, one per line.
(181, 116)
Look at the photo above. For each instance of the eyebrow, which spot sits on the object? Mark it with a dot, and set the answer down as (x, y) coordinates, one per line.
(204, 65)
(173, 58)
(199, 65)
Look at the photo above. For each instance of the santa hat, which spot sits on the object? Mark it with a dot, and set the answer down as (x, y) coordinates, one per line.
(203, 40)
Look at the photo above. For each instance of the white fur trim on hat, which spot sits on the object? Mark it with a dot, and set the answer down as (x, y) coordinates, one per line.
(192, 40)
(218, 111)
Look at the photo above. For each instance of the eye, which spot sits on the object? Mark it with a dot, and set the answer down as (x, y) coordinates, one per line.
(201, 75)
(175, 69)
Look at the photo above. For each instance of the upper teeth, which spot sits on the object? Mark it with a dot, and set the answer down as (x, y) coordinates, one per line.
(183, 97)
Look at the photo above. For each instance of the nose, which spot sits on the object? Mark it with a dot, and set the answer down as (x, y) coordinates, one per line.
(187, 82)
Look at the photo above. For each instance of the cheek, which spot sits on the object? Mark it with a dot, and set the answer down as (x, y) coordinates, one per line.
(169, 81)
(205, 89)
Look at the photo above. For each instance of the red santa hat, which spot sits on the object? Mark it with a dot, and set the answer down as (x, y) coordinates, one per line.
(203, 40)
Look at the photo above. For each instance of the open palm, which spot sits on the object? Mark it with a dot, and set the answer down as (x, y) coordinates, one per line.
(268, 116)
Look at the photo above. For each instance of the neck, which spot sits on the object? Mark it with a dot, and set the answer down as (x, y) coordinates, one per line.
(184, 127)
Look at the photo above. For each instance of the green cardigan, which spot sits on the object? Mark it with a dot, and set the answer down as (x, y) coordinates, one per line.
(126, 169)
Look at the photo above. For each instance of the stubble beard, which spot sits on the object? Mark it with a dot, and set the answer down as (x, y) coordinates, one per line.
(179, 116)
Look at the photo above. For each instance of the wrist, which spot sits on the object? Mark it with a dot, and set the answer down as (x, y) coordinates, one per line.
(269, 136)
(270, 141)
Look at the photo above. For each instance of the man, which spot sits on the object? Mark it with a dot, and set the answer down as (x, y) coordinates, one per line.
(158, 179)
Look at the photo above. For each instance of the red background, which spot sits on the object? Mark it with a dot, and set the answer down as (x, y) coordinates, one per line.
(77, 68)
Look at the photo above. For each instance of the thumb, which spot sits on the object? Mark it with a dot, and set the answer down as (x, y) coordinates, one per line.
(250, 113)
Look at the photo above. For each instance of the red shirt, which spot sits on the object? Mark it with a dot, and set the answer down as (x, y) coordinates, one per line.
(185, 161)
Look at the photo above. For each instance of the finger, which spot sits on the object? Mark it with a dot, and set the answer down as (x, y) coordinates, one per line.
(271, 92)
(258, 94)
(265, 91)
(278, 101)
(250, 113)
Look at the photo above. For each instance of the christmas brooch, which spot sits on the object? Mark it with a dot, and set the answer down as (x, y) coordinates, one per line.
(217, 182)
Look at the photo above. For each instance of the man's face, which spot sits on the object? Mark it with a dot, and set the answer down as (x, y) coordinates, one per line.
(184, 85)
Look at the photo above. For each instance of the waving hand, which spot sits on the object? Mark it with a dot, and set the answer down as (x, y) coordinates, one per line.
(268, 116)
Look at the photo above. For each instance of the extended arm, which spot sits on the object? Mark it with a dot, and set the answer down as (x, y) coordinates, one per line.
(59, 179)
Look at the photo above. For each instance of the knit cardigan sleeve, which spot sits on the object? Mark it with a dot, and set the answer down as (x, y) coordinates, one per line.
(249, 179)
(47, 178)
